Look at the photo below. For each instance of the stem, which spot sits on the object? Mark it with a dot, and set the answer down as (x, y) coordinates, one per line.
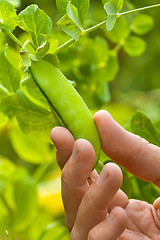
(72, 40)
(11, 35)
(138, 9)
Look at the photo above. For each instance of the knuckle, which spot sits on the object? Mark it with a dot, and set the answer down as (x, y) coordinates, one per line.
(89, 199)
(142, 144)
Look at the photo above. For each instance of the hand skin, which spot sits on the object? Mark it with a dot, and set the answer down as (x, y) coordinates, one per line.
(94, 209)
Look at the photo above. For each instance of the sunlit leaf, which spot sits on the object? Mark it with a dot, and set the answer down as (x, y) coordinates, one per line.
(8, 16)
(142, 126)
(9, 75)
(36, 22)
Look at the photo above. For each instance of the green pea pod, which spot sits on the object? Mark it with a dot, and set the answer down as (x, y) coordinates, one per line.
(67, 103)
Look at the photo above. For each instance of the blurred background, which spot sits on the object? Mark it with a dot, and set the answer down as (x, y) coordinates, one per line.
(117, 71)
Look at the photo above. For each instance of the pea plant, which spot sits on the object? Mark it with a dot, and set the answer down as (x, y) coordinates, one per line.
(35, 93)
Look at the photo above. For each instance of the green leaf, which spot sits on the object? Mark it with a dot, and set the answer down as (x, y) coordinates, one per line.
(112, 68)
(134, 46)
(42, 50)
(67, 25)
(16, 3)
(9, 75)
(35, 21)
(25, 58)
(33, 92)
(120, 32)
(142, 126)
(30, 147)
(142, 24)
(110, 22)
(52, 59)
(113, 7)
(8, 16)
(72, 12)
(3, 92)
(81, 5)
(110, 8)
(30, 116)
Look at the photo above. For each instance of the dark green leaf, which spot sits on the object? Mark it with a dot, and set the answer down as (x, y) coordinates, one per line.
(9, 75)
(35, 21)
(142, 126)
(8, 16)
(134, 46)
(142, 24)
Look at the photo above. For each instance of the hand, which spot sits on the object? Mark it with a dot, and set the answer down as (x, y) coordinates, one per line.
(128, 150)
(93, 208)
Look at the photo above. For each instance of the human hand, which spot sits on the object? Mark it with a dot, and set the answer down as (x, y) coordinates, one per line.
(128, 150)
(93, 208)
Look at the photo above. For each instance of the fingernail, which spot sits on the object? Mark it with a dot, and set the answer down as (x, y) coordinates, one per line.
(103, 176)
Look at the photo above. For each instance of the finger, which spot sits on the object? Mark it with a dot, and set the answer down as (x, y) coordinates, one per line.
(92, 209)
(112, 227)
(64, 142)
(120, 199)
(128, 150)
(130, 235)
(74, 178)
(92, 177)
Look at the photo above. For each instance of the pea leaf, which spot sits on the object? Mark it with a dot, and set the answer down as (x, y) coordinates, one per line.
(42, 50)
(81, 5)
(110, 22)
(3, 92)
(113, 7)
(134, 46)
(142, 24)
(70, 22)
(35, 21)
(142, 126)
(120, 32)
(29, 147)
(8, 16)
(16, 3)
(30, 116)
(9, 75)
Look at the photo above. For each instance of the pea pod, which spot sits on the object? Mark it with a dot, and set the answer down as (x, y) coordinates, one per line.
(66, 102)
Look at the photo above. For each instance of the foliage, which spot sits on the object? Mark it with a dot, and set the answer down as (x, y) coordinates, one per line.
(113, 63)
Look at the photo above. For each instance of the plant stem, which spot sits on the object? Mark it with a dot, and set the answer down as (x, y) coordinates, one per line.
(72, 40)
(11, 35)
(138, 9)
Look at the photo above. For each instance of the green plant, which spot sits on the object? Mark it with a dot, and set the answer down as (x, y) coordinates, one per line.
(90, 65)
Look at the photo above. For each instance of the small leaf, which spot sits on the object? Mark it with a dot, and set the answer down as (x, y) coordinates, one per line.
(120, 32)
(142, 24)
(142, 126)
(67, 25)
(30, 116)
(36, 22)
(134, 46)
(118, 5)
(42, 50)
(112, 68)
(110, 22)
(81, 5)
(72, 12)
(9, 75)
(25, 57)
(8, 16)
(16, 3)
(110, 8)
